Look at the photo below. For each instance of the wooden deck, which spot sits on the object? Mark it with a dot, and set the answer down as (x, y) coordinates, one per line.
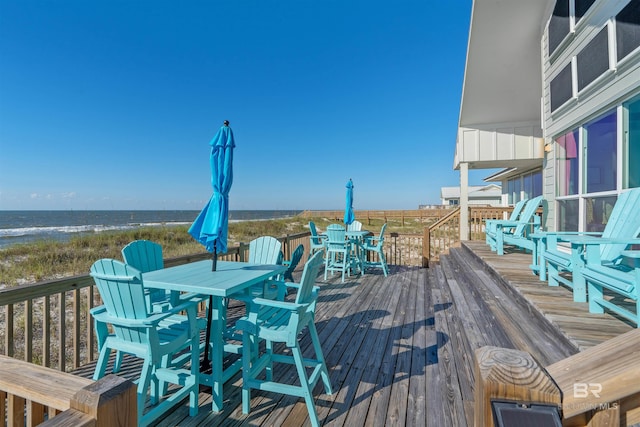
(400, 349)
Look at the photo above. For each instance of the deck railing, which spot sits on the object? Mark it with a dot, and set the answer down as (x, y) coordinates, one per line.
(445, 233)
(33, 395)
(366, 216)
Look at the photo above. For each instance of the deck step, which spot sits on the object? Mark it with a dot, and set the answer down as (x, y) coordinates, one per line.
(495, 314)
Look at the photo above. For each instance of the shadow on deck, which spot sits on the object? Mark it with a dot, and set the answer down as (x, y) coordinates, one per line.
(400, 349)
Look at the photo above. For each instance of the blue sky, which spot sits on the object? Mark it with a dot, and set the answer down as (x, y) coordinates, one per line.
(112, 104)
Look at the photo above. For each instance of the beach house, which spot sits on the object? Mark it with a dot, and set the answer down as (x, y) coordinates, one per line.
(551, 96)
(482, 195)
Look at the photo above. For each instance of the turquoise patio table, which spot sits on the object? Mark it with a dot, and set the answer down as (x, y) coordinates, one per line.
(228, 279)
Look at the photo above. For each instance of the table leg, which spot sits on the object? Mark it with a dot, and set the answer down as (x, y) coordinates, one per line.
(218, 325)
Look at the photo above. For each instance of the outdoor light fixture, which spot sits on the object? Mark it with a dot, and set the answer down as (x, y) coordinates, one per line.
(514, 414)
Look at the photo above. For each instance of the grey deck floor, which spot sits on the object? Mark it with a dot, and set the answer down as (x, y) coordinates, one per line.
(400, 350)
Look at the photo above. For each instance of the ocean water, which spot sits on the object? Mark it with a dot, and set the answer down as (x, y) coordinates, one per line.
(30, 226)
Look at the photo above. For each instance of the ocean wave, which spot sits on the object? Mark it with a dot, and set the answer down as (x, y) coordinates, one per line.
(70, 229)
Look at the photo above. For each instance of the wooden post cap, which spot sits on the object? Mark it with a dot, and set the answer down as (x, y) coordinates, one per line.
(111, 401)
(510, 375)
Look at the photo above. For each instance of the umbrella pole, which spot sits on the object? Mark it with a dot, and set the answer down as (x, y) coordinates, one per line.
(205, 365)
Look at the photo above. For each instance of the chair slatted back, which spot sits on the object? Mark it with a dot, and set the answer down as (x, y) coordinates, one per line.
(526, 216)
(381, 238)
(335, 236)
(265, 250)
(144, 255)
(624, 222)
(296, 256)
(308, 279)
(517, 209)
(122, 293)
(355, 226)
(315, 239)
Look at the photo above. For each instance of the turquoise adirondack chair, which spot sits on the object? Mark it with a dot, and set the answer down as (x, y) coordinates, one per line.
(265, 250)
(283, 322)
(144, 256)
(491, 224)
(316, 242)
(563, 252)
(291, 264)
(517, 232)
(354, 226)
(374, 244)
(153, 337)
(338, 250)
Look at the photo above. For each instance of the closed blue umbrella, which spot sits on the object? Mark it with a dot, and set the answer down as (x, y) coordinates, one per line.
(212, 224)
(349, 216)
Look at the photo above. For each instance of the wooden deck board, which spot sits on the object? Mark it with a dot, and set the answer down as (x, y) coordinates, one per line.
(400, 349)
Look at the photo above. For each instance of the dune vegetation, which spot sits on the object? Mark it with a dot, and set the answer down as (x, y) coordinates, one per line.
(49, 259)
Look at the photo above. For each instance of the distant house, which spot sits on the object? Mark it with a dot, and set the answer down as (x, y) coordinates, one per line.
(490, 195)
(551, 96)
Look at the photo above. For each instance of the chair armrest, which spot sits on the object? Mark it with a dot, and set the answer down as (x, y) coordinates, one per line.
(593, 240)
(98, 310)
(296, 286)
(507, 223)
(631, 253)
(112, 277)
(277, 304)
(104, 317)
(100, 314)
(630, 258)
(193, 297)
(563, 235)
(185, 304)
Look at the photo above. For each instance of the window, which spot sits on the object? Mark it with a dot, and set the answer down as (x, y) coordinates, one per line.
(593, 60)
(561, 89)
(514, 187)
(632, 144)
(527, 186)
(567, 161)
(510, 191)
(628, 29)
(598, 211)
(559, 25)
(601, 158)
(568, 215)
(517, 190)
(532, 184)
(582, 6)
(537, 184)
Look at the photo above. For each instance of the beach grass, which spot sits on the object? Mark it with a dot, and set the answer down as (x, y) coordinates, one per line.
(49, 259)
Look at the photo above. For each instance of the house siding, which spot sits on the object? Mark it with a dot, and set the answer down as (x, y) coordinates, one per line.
(500, 141)
(603, 94)
(619, 83)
